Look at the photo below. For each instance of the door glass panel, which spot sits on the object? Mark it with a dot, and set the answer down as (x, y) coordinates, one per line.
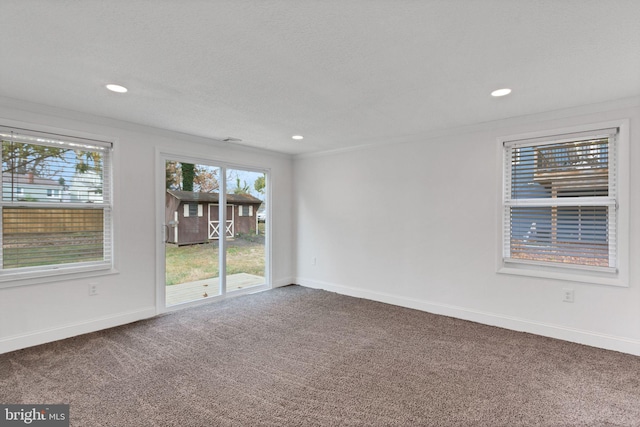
(246, 218)
(192, 232)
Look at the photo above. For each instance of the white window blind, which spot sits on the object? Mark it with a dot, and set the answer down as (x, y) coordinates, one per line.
(55, 203)
(560, 200)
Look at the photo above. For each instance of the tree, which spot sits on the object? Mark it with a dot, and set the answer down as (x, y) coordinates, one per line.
(45, 161)
(188, 175)
(173, 175)
(241, 189)
(259, 184)
(206, 179)
(86, 158)
(22, 158)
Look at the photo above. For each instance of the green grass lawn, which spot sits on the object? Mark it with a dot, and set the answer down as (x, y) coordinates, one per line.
(55, 255)
(32, 250)
(199, 262)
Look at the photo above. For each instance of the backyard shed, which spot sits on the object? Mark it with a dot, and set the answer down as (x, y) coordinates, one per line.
(193, 217)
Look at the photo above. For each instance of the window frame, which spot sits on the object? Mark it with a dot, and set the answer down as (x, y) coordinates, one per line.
(196, 212)
(607, 276)
(249, 210)
(51, 273)
(54, 193)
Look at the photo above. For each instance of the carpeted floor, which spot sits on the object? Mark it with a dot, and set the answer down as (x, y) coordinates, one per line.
(296, 356)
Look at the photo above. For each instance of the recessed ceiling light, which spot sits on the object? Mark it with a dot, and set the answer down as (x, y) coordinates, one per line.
(298, 137)
(501, 92)
(116, 88)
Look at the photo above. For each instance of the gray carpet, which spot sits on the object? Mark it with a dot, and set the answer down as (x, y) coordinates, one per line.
(297, 356)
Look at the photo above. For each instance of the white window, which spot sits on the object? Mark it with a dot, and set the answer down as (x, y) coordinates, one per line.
(53, 192)
(55, 204)
(561, 203)
(192, 209)
(245, 210)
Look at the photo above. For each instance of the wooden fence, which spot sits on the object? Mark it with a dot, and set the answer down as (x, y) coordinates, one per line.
(18, 221)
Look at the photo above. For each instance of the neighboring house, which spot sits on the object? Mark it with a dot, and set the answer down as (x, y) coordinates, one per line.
(192, 217)
(575, 169)
(83, 187)
(86, 187)
(32, 188)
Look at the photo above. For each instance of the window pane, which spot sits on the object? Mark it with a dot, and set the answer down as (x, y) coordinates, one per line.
(582, 224)
(193, 230)
(560, 205)
(51, 236)
(246, 246)
(573, 235)
(44, 179)
(42, 173)
(568, 169)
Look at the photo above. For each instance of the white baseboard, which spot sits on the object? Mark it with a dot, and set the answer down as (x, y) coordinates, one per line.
(283, 282)
(48, 335)
(590, 338)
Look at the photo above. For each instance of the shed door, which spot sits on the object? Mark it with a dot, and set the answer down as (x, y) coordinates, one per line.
(214, 223)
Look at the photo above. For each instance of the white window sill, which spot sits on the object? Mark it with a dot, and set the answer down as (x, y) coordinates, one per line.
(16, 279)
(560, 273)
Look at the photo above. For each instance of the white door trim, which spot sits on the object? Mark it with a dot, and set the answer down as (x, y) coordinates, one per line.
(161, 156)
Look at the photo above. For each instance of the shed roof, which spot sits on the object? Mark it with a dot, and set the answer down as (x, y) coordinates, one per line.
(193, 196)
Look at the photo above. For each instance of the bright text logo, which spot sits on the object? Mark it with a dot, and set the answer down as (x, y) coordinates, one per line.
(34, 415)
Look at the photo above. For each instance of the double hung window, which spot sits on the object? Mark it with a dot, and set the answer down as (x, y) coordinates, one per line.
(560, 201)
(56, 207)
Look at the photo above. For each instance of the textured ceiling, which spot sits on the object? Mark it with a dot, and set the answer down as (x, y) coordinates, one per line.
(342, 73)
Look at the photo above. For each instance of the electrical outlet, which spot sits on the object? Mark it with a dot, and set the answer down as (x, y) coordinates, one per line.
(93, 289)
(567, 295)
(313, 261)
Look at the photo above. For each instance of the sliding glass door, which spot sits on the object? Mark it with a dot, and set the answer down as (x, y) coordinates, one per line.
(245, 251)
(213, 228)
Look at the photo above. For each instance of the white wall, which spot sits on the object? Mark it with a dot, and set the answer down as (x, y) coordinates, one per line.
(413, 224)
(416, 224)
(39, 313)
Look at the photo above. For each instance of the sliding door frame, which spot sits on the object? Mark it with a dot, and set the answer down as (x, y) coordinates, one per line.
(161, 157)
